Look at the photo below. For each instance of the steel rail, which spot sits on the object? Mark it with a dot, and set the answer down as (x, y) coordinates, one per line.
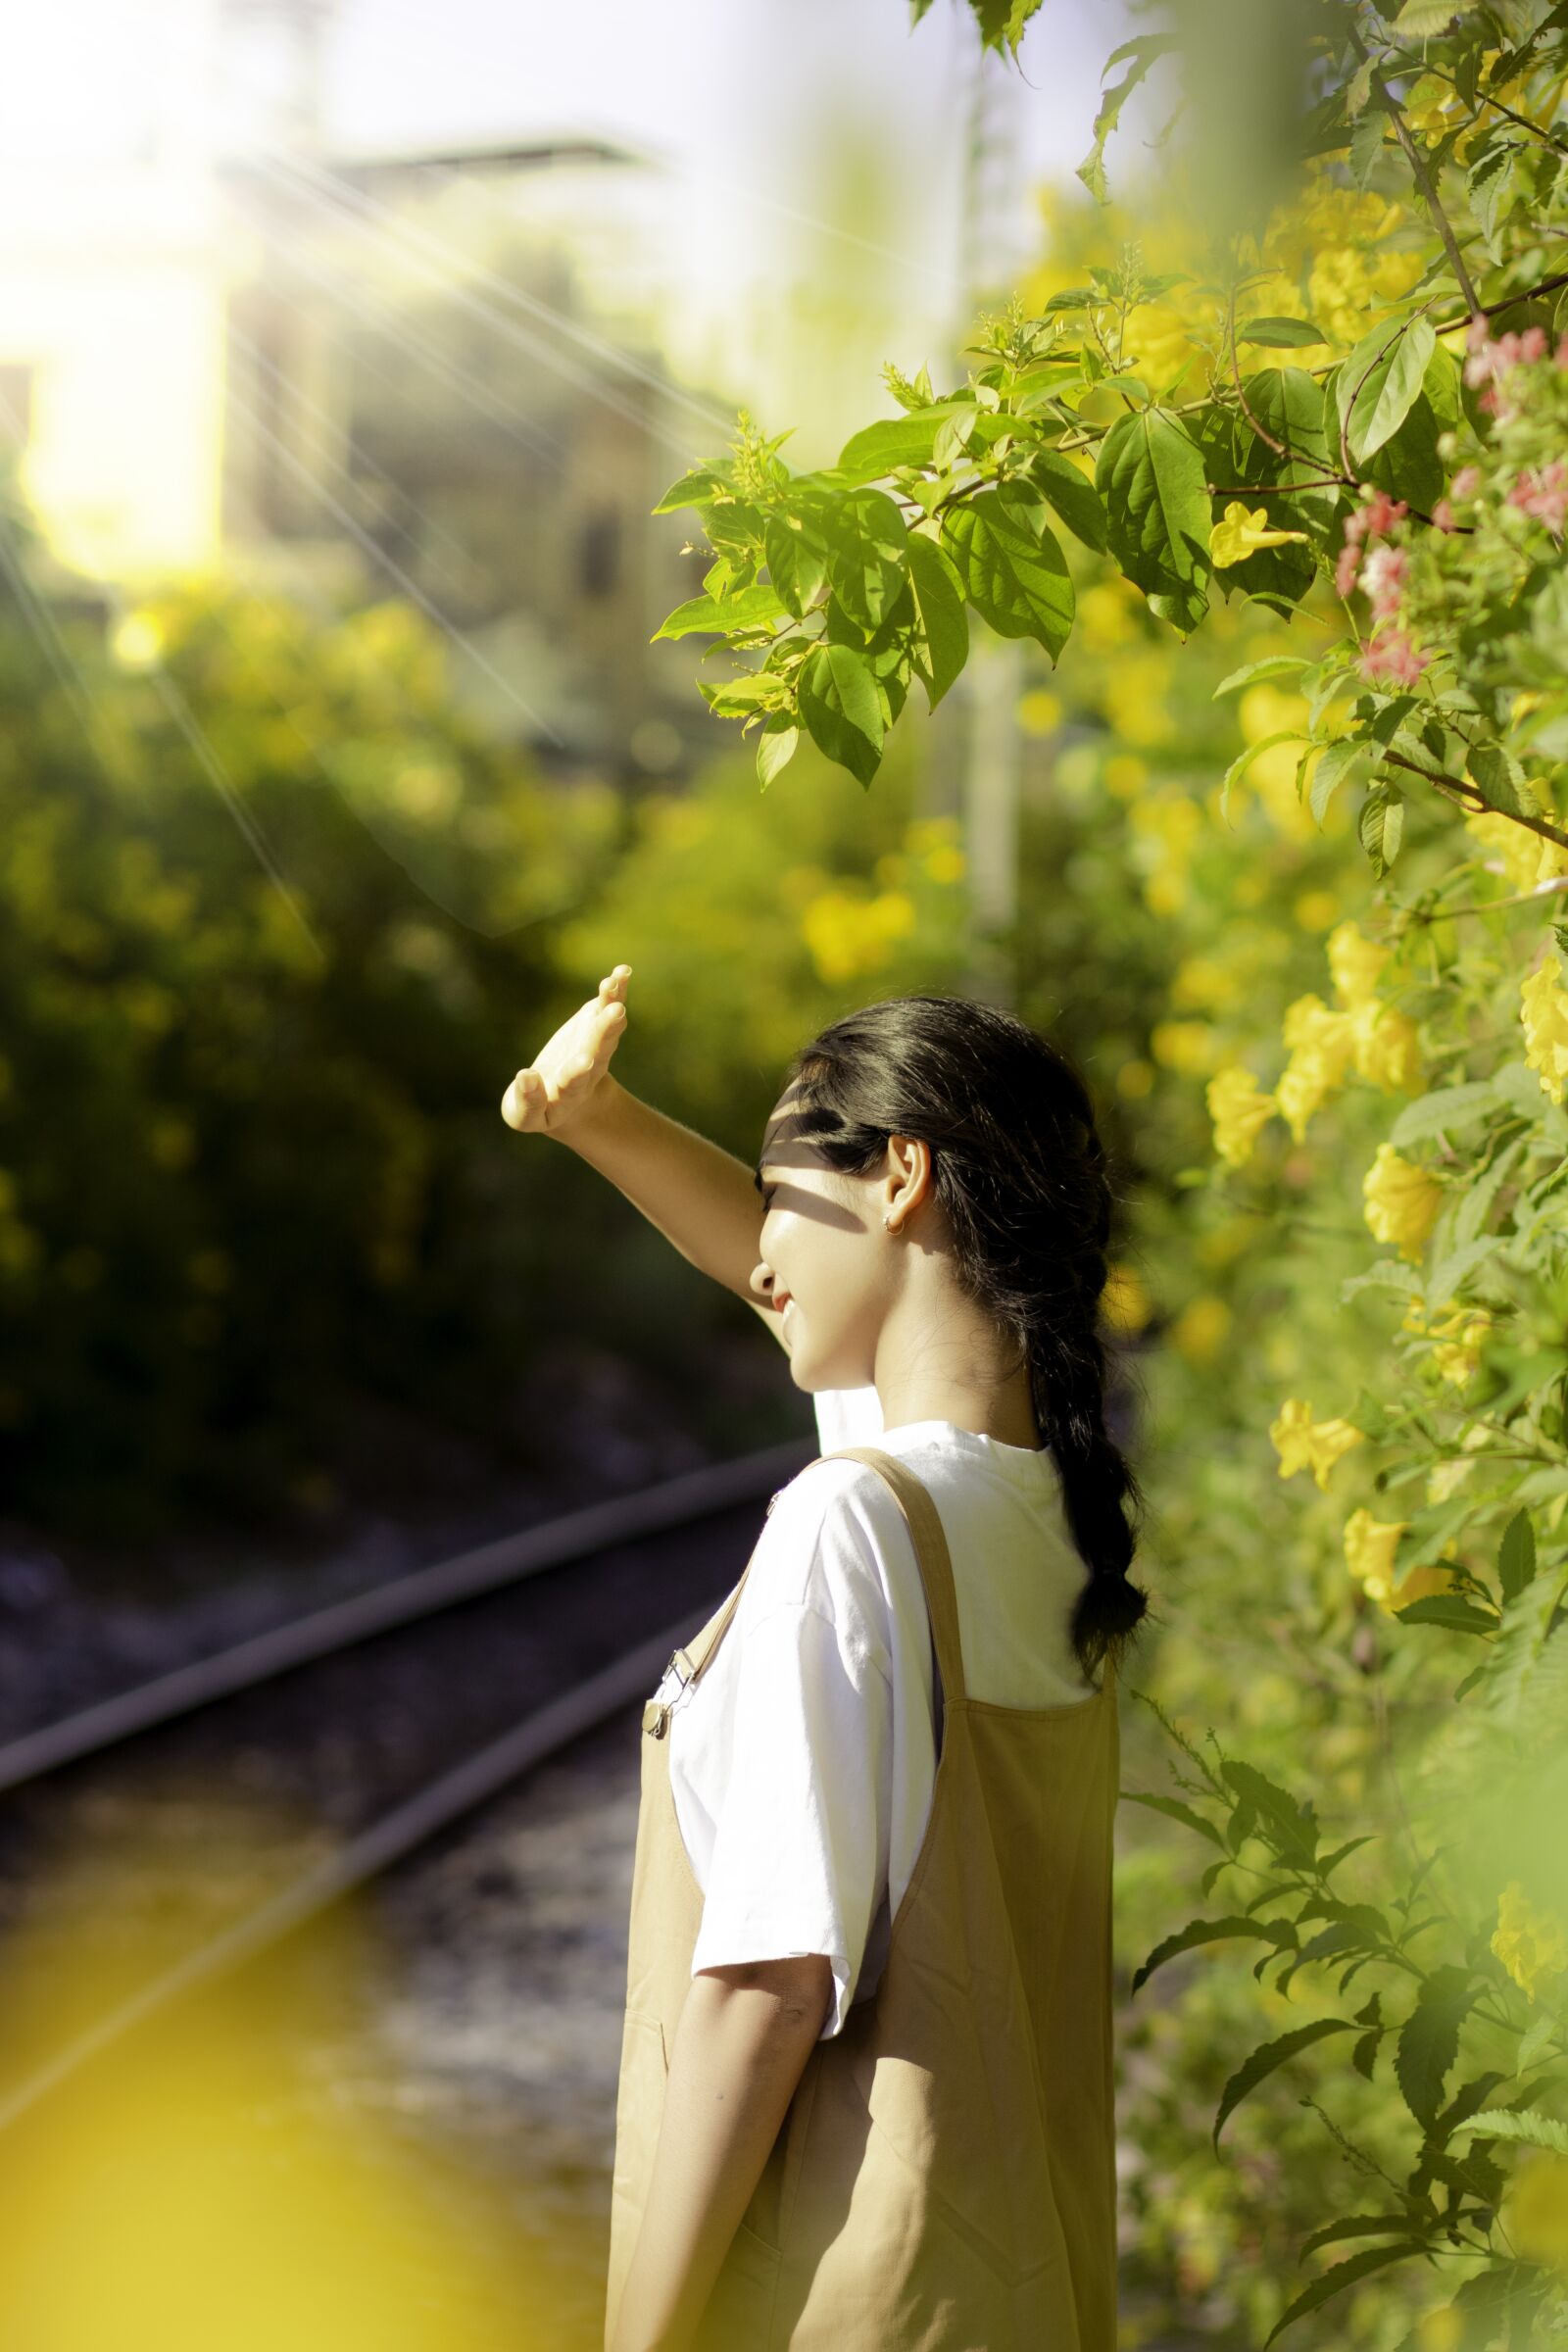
(373, 1849)
(685, 1500)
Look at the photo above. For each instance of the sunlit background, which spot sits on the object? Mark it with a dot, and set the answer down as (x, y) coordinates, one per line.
(346, 347)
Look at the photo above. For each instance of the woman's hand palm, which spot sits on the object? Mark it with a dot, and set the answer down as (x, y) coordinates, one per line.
(553, 1088)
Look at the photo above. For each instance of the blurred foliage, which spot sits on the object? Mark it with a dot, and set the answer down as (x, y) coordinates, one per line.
(249, 1156)
(1322, 441)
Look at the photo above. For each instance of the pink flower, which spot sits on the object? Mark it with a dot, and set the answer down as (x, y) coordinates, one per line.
(1383, 512)
(1391, 656)
(1543, 493)
(1479, 331)
(1345, 568)
(1443, 517)
(1560, 358)
(1383, 577)
(1467, 481)
(1533, 344)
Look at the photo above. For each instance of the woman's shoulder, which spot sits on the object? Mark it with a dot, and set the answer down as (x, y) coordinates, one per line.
(826, 1542)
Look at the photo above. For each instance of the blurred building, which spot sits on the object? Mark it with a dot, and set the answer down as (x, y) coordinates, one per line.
(221, 345)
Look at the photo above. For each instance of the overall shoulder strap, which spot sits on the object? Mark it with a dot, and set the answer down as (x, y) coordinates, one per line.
(931, 1553)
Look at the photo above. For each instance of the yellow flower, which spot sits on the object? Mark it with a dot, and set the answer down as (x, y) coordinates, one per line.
(1369, 1549)
(1535, 2211)
(1125, 775)
(1238, 1109)
(1135, 1079)
(1544, 1010)
(1239, 534)
(1186, 1046)
(1039, 712)
(1200, 1330)
(1321, 1043)
(1402, 1201)
(848, 936)
(1458, 1357)
(1531, 1945)
(1202, 981)
(1387, 1045)
(1355, 963)
(1124, 1303)
(1526, 857)
(1315, 910)
(1440, 2330)
(1303, 1444)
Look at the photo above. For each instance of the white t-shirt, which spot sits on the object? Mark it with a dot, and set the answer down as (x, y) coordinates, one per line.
(803, 1763)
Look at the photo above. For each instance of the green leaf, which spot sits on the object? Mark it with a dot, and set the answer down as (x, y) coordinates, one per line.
(1291, 1826)
(1150, 473)
(1243, 761)
(1516, 1555)
(1338, 760)
(1071, 495)
(1380, 826)
(1424, 20)
(1145, 53)
(842, 709)
(1205, 1930)
(694, 489)
(1272, 665)
(1017, 583)
(797, 561)
(870, 455)
(1408, 465)
(867, 551)
(1447, 1109)
(1175, 1810)
(1343, 2275)
(1527, 2123)
(1429, 2039)
(1268, 2057)
(775, 747)
(941, 645)
(1502, 778)
(1358, 2225)
(1450, 1610)
(1489, 184)
(1366, 145)
(749, 608)
(1280, 332)
(1380, 383)
(1287, 405)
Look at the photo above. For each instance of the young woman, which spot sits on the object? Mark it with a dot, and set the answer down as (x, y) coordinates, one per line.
(866, 2098)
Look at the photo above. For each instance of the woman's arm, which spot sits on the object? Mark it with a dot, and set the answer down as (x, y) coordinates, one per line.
(701, 1198)
(740, 2046)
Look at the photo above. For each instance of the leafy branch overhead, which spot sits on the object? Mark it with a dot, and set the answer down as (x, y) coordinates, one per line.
(1349, 422)
(1381, 483)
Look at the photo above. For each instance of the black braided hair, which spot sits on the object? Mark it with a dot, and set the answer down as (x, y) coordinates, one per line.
(1018, 1165)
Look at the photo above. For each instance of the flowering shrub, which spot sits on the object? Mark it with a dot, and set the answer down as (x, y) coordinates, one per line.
(1358, 417)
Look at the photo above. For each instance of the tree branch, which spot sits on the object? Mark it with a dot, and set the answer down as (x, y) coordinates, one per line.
(1452, 786)
(1419, 173)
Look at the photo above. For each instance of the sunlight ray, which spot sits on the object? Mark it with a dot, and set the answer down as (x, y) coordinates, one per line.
(409, 586)
(448, 259)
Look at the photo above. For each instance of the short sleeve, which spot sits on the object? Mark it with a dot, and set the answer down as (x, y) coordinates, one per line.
(800, 1856)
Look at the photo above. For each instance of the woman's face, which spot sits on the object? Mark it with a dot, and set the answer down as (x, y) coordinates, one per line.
(820, 1256)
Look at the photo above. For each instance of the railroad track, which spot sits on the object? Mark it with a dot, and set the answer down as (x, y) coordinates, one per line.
(397, 1712)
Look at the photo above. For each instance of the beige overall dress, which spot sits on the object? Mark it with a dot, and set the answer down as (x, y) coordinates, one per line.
(944, 2180)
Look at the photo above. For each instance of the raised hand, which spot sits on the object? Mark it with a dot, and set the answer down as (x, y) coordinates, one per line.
(563, 1079)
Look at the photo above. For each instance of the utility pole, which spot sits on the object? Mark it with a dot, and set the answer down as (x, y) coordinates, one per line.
(993, 676)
